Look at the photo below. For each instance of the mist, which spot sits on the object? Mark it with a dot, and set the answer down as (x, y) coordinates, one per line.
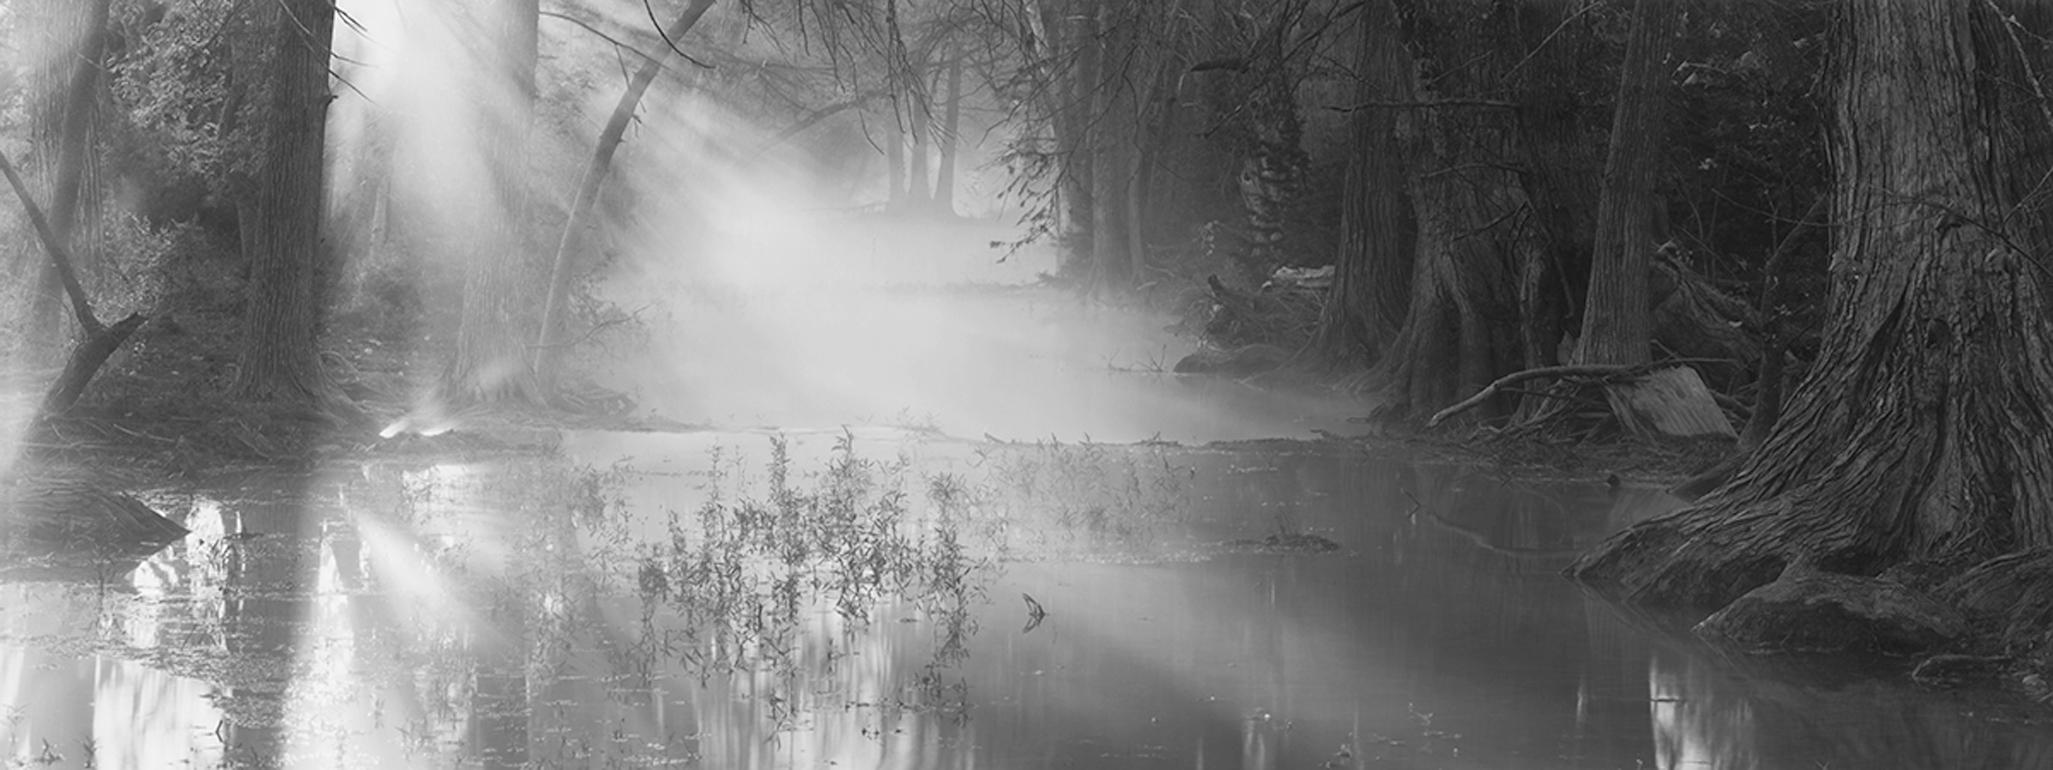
(756, 277)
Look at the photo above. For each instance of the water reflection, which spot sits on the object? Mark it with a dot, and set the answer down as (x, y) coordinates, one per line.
(857, 600)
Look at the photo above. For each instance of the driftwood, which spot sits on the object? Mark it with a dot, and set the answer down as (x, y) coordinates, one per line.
(101, 340)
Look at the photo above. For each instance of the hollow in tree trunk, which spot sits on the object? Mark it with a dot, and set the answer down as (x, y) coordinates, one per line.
(1922, 432)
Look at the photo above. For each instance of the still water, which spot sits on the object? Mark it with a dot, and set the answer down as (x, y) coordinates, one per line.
(895, 599)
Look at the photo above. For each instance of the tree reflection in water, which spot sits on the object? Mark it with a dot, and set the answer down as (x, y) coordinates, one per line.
(813, 605)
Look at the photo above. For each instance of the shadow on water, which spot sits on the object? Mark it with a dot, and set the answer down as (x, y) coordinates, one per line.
(731, 600)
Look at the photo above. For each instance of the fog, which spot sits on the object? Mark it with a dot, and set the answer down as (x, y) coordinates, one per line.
(764, 287)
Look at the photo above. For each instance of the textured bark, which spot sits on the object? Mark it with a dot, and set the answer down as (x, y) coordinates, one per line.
(492, 360)
(549, 344)
(1562, 137)
(1921, 432)
(73, 142)
(1462, 328)
(1616, 328)
(1372, 274)
(280, 360)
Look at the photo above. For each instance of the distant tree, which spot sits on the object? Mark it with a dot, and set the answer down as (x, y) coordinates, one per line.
(280, 360)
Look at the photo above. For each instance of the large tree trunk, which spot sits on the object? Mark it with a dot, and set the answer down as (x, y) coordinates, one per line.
(1616, 326)
(1372, 274)
(1921, 433)
(280, 358)
(549, 345)
(1462, 329)
(1564, 170)
(73, 140)
(492, 361)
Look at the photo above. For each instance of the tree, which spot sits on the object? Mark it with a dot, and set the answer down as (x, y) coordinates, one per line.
(1921, 433)
(549, 346)
(279, 359)
(1616, 322)
(71, 136)
(1462, 328)
(1372, 273)
(492, 361)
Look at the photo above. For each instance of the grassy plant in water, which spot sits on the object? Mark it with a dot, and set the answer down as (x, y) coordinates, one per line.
(745, 575)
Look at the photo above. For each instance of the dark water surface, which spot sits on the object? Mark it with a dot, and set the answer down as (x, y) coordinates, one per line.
(858, 601)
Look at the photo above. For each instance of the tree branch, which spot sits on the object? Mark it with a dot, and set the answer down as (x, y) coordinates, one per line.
(1429, 104)
(59, 256)
(1605, 371)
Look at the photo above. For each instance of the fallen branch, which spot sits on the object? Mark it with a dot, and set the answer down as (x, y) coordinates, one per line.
(1601, 371)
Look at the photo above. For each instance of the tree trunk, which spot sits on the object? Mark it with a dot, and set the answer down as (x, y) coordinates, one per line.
(950, 140)
(1111, 153)
(1564, 171)
(919, 193)
(280, 358)
(493, 362)
(549, 345)
(1921, 433)
(894, 156)
(74, 143)
(1462, 328)
(1080, 37)
(1460, 332)
(1616, 328)
(1372, 274)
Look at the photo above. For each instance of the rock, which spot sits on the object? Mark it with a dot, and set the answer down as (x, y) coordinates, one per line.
(1960, 670)
(1823, 612)
(1239, 362)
